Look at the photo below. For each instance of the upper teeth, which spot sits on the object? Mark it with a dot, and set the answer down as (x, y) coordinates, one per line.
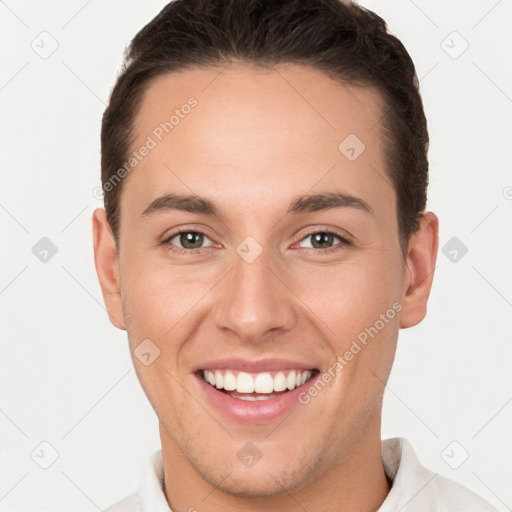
(264, 382)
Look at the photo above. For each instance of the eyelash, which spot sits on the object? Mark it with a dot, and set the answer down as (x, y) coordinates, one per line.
(180, 251)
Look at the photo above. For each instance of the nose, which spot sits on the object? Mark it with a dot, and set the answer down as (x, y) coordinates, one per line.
(253, 301)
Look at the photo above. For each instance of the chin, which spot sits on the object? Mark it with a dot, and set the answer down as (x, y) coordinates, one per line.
(252, 483)
(267, 478)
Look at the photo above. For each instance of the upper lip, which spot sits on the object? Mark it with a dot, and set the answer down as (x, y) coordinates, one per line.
(251, 366)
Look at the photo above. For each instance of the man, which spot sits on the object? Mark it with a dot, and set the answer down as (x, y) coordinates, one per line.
(264, 239)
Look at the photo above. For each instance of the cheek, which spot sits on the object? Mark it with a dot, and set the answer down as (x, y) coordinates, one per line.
(159, 297)
(160, 303)
(351, 296)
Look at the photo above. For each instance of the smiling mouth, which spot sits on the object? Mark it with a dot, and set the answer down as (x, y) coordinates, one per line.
(256, 386)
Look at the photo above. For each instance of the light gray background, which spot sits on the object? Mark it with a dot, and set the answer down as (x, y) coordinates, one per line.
(66, 374)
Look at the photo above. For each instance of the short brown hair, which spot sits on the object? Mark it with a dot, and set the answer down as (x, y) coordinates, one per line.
(345, 41)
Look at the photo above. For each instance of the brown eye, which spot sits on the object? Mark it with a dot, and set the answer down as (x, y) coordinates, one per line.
(322, 240)
(189, 240)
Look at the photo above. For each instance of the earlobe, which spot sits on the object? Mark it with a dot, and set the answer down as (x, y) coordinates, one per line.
(107, 267)
(420, 266)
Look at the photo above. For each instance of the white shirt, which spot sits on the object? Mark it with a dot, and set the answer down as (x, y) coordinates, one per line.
(414, 488)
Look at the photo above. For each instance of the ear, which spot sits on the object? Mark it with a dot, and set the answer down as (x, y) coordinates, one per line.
(107, 266)
(420, 265)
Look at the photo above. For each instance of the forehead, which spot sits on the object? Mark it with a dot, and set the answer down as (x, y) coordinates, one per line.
(260, 134)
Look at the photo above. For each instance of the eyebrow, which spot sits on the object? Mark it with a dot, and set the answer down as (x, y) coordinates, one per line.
(326, 201)
(304, 204)
(186, 203)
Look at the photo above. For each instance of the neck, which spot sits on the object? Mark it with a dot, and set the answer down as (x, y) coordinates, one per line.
(357, 481)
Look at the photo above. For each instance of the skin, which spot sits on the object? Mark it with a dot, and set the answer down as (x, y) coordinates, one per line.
(257, 140)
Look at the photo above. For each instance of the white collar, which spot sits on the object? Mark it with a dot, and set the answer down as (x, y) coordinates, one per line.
(414, 488)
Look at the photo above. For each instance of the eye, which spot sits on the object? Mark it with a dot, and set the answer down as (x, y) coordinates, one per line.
(186, 241)
(324, 240)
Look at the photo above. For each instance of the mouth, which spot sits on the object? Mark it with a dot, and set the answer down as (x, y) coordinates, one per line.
(252, 387)
(250, 391)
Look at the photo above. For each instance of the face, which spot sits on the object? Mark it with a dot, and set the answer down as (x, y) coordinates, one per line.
(258, 253)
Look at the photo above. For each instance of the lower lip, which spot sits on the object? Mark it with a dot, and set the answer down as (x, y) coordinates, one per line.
(257, 411)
